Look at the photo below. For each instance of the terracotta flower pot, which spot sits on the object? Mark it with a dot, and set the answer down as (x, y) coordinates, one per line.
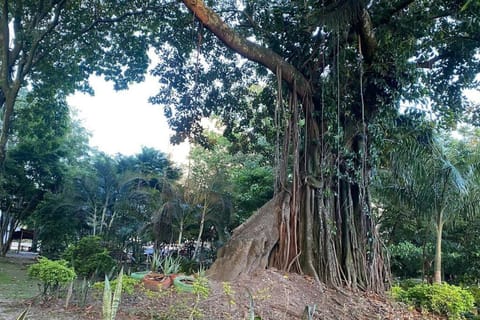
(157, 281)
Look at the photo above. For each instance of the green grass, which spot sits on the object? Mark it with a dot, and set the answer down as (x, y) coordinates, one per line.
(14, 281)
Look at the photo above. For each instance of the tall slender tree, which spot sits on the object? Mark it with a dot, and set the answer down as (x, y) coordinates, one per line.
(427, 181)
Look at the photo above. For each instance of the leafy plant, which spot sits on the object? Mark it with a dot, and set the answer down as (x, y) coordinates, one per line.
(408, 283)
(200, 287)
(69, 295)
(170, 265)
(229, 293)
(156, 261)
(309, 312)
(201, 290)
(475, 291)
(398, 293)
(251, 306)
(52, 274)
(128, 284)
(189, 266)
(89, 257)
(83, 292)
(111, 303)
(443, 299)
(406, 259)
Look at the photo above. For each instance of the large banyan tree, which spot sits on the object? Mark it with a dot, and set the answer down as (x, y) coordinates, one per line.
(338, 71)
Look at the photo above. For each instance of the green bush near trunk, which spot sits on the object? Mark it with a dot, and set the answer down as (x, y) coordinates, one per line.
(443, 299)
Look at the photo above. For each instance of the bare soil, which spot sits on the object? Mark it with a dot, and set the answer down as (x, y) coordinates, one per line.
(269, 294)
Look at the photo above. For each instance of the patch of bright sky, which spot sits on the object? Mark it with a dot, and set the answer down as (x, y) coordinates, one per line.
(124, 121)
(473, 95)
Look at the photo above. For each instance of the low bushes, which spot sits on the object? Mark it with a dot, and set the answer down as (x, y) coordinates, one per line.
(128, 284)
(52, 274)
(89, 257)
(442, 299)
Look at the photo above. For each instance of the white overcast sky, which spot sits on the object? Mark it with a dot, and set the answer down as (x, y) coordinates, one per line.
(124, 121)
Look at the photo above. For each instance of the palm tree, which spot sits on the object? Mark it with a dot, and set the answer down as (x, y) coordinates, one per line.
(208, 186)
(425, 178)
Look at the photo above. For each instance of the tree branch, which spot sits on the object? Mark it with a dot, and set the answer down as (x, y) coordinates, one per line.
(396, 8)
(367, 35)
(249, 49)
(4, 42)
(117, 19)
(25, 68)
(17, 33)
(428, 64)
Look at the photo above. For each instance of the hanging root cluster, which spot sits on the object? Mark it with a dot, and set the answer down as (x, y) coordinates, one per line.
(320, 221)
(328, 231)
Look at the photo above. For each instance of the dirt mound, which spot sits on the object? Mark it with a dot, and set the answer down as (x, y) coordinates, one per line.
(278, 295)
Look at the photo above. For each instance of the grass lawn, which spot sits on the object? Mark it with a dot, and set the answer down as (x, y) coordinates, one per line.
(14, 281)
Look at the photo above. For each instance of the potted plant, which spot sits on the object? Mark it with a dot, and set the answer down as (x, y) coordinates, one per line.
(169, 267)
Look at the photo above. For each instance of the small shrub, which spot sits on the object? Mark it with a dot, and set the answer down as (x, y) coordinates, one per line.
(200, 287)
(52, 274)
(89, 257)
(443, 299)
(189, 266)
(201, 290)
(128, 284)
(408, 283)
(475, 291)
(229, 292)
(399, 294)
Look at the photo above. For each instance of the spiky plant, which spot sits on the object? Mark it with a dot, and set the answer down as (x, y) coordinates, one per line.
(111, 303)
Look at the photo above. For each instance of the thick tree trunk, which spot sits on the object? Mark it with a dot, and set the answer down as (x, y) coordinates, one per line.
(251, 243)
(5, 128)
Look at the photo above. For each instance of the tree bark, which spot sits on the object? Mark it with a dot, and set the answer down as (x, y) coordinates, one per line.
(94, 224)
(202, 225)
(8, 224)
(251, 243)
(180, 232)
(437, 274)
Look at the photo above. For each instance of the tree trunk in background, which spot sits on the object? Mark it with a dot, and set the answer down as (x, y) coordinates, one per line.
(437, 274)
(200, 231)
(180, 232)
(8, 223)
